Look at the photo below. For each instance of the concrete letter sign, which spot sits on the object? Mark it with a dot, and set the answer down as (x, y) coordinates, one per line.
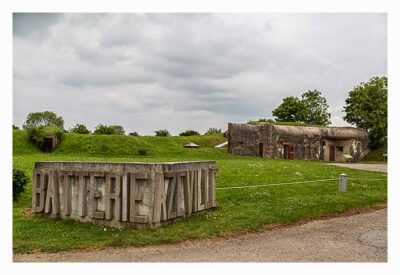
(123, 194)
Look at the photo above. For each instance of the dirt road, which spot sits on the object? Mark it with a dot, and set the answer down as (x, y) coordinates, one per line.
(355, 238)
(379, 167)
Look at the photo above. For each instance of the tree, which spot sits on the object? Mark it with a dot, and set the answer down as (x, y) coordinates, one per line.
(15, 127)
(310, 109)
(109, 130)
(162, 133)
(80, 129)
(102, 129)
(213, 131)
(43, 119)
(188, 133)
(291, 109)
(315, 108)
(366, 107)
(118, 130)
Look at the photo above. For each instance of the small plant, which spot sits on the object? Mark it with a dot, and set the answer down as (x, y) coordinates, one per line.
(188, 133)
(142, 152)
(162, 133)
(20, 180)
(213, 131)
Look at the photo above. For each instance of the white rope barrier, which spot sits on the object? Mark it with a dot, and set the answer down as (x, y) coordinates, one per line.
(288, 183)
(365, 179)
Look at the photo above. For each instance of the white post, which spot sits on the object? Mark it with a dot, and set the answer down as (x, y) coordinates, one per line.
(342, 183)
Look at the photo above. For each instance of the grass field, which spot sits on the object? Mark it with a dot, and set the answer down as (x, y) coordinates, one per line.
(238, 209)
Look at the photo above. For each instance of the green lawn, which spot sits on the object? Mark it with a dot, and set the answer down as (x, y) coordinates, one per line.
(238, 209)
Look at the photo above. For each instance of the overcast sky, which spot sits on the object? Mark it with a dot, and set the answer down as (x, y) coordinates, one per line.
(188, 71)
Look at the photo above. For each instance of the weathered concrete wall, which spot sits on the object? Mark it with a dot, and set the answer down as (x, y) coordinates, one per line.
(123, 194)
(243, 139)
(297, 142)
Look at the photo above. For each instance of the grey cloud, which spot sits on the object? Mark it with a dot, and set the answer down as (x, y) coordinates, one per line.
(200, 86)
(189, 70)
(33, 23)
(94, 76)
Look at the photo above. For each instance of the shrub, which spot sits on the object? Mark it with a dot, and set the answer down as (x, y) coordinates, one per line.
(213, 131)
(34, 136)
(118, 130)
(103, 130)
(142, 152)
(162, 133)
(20, 180)
(80, 129)
(109, 130)
(15, 127)
(188, 133)
(134, 134)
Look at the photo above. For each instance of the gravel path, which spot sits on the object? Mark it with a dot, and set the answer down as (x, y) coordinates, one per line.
(355, 238)
(379, 167)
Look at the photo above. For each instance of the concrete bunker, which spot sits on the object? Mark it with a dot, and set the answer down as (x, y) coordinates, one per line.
(50, 143)
(123, 194)
(298, 142)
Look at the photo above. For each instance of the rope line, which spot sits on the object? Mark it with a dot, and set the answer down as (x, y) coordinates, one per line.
(288, 183)
(365, 179)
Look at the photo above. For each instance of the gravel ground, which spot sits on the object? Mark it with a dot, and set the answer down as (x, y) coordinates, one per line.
(379, 167)
(355, 238)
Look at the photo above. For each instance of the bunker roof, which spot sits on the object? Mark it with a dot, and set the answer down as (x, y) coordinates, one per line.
(309, 131)
(326, 132)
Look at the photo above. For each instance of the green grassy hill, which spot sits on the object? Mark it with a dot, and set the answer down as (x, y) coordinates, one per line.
(118, 146)
(21, 145)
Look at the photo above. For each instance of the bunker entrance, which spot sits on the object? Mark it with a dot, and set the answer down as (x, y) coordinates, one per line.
(288, 151)
(47, 145)
(331, 153)
(261, 150)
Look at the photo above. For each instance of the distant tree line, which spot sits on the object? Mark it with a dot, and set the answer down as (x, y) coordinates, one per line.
(38, 121)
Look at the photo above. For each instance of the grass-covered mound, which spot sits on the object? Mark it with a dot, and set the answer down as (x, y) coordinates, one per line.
(114, 145)
(37, 136)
